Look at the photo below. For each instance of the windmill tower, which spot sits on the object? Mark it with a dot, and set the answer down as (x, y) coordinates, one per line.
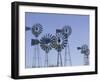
(36, 31)
(45, 44)
(67, 58)
(59, 43)
(85, 51)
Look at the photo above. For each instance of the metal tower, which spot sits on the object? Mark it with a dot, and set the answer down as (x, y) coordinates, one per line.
(66, 31)
(85, 50)
(45, 44)
(36, 31)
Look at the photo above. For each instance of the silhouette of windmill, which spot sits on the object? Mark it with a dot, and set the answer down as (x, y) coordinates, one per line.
(85, 50)
(36, 31)
(45, 44)
(66, 31)
(59, 43)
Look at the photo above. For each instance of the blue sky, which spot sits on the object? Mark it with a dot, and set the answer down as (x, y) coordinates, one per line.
(51, 22)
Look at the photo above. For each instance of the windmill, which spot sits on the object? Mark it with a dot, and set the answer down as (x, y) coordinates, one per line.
(59, 43)
(45, 44)
(36, 31)
(85, 50)
(66, 31)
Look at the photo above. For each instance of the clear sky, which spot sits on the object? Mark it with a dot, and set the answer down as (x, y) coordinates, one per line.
(51, 22)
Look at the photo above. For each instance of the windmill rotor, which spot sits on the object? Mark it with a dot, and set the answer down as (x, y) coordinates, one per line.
(45, 42)
(87, 52)
(37, 29)
(66, 31)
(84, 48)
(59, 42)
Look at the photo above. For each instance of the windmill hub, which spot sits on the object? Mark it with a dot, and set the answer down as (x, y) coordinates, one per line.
(47, 41)
(59, 40)
(36, 29)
